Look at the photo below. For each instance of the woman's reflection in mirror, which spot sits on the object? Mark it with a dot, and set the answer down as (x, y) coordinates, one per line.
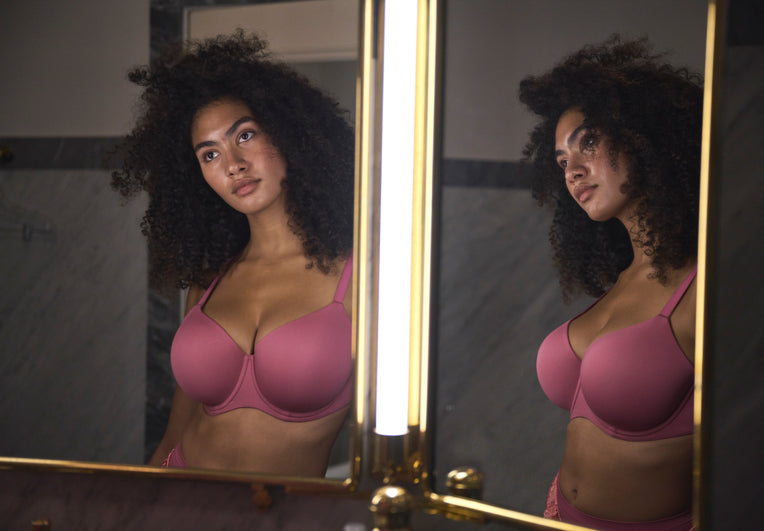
(249, 173)
(617, 156)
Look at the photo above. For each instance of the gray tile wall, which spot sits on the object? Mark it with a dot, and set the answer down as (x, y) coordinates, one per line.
(499, 298)
(72, 318)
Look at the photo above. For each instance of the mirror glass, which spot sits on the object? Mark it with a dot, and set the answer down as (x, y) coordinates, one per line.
(85, 360)
(73, 308)
(498, 291)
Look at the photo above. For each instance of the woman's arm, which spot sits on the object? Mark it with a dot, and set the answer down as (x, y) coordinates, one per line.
(181, 412)
(183, 406)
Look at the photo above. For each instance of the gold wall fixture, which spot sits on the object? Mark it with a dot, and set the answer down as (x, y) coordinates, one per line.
(396, 451)
(465, 481)
(391, 509)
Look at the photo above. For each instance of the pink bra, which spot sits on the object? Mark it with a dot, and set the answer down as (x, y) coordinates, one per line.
(298, 372)
(634, 383)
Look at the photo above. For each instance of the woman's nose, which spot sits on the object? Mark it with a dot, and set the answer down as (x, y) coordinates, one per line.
(236, 165)
(574, 170)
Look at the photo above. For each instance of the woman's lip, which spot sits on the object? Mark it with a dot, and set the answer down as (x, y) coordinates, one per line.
(245, 186)
(583, 193)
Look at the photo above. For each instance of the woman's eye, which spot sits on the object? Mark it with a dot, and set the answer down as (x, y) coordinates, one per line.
(588, 143)
(562, 164)
(246, 135)
(208, 156)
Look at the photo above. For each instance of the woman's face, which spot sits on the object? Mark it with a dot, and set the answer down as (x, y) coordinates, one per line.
(594, 181)
(237, 159)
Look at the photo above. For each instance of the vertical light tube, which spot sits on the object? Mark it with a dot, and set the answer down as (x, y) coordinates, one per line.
(396, 212)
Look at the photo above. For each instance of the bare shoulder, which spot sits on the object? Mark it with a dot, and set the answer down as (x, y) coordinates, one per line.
(347, 302)
(193, 297)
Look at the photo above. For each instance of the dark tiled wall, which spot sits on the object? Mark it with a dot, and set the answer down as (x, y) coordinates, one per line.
(72, 318)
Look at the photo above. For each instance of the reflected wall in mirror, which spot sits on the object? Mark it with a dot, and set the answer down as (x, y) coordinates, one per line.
(498, 290)
(73, 304)
(78, 292)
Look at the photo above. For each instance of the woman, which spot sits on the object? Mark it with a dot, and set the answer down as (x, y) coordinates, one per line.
(249, 172)
(617, 154)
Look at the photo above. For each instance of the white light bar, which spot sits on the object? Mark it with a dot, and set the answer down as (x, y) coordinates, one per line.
(395, 224)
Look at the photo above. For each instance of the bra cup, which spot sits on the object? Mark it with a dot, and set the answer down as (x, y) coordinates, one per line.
(630, 381)
(303, 365)
(205, 378)
(557, 367)
(299, 371)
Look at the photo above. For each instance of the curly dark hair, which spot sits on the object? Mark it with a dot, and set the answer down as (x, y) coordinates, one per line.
(651, 113)
(192, 232)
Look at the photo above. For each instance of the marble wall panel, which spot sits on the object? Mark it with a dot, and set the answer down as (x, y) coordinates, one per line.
(72, 318)
(499, 297)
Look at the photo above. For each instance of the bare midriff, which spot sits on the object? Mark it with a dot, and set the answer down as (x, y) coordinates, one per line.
(623, 480)
(249, 440)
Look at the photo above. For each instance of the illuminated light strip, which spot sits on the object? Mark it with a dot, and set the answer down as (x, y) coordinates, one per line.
(396, 211)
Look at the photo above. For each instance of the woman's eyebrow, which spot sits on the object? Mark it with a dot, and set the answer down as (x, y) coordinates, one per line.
(231, 130)
(237, 123)
(572, 138)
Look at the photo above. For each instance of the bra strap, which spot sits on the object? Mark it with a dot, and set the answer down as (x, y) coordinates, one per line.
(342, 286)
(209, 290)
(679, 293)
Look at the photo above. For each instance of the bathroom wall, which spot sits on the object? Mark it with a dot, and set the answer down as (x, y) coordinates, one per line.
(73, 308)
(72, 318)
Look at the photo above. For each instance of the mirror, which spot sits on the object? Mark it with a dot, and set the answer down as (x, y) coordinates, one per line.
(498, 292)
(98, 388)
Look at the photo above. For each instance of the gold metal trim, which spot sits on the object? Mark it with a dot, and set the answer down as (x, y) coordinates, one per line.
(465, 481)
(460, 508)
(362, 244)
(290, 483)
(420, 239)
(372, 128)
(432, 13)
(391, 508)
(707, 216)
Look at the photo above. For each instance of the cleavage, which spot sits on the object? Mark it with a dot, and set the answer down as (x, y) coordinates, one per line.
(246, 323)
(603, 319)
